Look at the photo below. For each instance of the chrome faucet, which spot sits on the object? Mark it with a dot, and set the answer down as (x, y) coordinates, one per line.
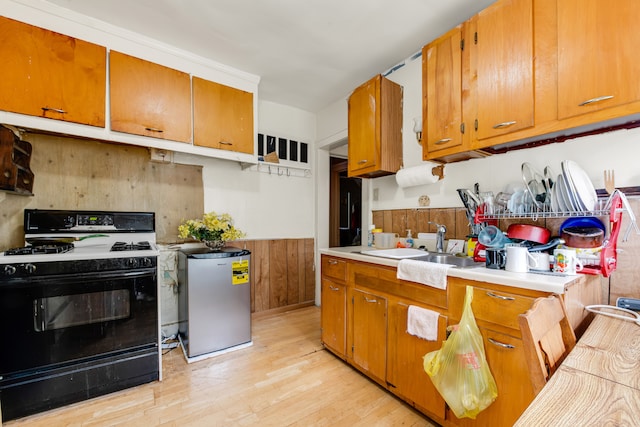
(440, 230)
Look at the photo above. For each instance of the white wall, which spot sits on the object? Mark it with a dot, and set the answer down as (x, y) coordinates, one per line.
(264, 205)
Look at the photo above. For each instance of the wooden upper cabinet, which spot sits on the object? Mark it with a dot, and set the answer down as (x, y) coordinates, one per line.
(375, 128)
(222, 117)
(51, 75)
(598, 65)
(442, 93)
(149, 99)
(503, 57)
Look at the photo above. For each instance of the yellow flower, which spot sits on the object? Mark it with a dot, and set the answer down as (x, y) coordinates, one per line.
(212, 226)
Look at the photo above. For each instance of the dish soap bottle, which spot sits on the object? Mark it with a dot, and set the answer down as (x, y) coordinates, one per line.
(409, 240)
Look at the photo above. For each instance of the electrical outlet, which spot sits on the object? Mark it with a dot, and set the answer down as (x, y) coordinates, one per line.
(423, 200)
(375, 194)
(161, 156)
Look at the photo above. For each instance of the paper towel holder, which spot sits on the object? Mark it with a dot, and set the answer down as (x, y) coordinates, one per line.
(438, 171)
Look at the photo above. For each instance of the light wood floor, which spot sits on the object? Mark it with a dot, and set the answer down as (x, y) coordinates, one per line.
(284, 379)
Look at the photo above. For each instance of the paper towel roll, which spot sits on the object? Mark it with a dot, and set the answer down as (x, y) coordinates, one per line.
(417, 175)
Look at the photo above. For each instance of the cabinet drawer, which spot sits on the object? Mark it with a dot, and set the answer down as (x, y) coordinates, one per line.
(499, 307)
(489, 305)
(334, 267)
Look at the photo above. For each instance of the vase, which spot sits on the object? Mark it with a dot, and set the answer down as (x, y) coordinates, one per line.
(216, 245)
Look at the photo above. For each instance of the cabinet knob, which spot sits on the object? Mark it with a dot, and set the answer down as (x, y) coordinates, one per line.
(500, 344)
(593, 100)
(504, 124)
(55, 110)
(492, 295)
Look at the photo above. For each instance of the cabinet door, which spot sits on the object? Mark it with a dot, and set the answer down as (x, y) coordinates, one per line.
(51, 75)
(504, 60)
(222, 117)
(375, 128)
(506, 359)
(598, 65)
(370, 334)
(405, 366)
(364, 127)
(333, 316)
(442, 87)
(149, 99)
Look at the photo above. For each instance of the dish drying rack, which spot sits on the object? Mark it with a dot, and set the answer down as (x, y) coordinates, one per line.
(613, 207)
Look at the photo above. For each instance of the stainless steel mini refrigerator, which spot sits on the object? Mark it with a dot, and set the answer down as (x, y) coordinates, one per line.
(214, 306)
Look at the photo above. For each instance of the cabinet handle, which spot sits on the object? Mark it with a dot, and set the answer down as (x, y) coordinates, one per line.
(226, 143)
(362, 162)
(504, 124)
(597, 99)
(55, 110)
(333, 262)
(403, 304)
(333, 288)
(154, 129)
(370, 300)
(492, 295)
(500, 344)
(442, 141)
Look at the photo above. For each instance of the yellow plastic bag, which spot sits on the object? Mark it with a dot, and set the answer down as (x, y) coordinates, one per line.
(459, 370)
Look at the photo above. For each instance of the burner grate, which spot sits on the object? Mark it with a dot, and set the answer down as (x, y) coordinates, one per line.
(41, 249)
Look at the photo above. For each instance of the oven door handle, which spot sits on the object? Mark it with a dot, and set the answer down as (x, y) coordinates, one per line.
(74, 278)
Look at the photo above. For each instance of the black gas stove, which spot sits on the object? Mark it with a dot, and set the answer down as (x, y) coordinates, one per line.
(82, 316)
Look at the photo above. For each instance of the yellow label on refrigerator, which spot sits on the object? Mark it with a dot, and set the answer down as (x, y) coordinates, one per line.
(240, 272)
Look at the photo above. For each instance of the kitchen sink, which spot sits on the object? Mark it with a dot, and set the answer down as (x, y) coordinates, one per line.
(458, 261)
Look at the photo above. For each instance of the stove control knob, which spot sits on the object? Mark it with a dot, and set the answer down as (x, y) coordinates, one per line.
(30, 268)
(133, 262)
(145, 262)
(9, 270)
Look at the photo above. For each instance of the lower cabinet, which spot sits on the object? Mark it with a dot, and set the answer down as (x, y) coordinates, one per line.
(333, 319)
(406, 376)
(506, 359)
(365, 309)
(369, 350)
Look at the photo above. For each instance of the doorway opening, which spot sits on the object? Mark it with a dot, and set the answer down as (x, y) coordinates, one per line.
(345, 206)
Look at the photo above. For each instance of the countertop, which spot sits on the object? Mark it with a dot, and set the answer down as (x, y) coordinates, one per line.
(533, 281)
(597, 384)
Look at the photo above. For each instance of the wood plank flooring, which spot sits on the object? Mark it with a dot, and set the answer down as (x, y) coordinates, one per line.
(285, 378)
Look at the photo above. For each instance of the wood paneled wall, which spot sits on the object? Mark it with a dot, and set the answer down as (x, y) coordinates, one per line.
(418, 221)
(625, 281)
(282, 273)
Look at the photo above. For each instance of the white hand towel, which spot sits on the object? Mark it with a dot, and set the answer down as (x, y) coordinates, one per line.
(426, 273)
(422, 323)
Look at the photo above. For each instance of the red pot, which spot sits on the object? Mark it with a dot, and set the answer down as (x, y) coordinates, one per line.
(529, 232)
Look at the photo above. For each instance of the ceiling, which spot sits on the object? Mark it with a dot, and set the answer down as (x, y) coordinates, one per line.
(308, 54)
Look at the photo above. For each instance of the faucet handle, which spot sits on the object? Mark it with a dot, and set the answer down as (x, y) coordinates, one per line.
(441, 228)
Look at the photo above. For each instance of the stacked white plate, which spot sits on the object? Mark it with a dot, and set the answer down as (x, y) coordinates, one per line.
(574, 191)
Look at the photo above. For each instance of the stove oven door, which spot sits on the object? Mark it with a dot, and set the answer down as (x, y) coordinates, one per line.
(72, 337)
(54, 320)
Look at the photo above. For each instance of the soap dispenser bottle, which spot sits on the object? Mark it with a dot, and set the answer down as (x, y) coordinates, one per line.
(409, 239)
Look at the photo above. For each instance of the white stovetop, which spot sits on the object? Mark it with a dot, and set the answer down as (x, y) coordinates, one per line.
(533, 281)
(99, 247)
